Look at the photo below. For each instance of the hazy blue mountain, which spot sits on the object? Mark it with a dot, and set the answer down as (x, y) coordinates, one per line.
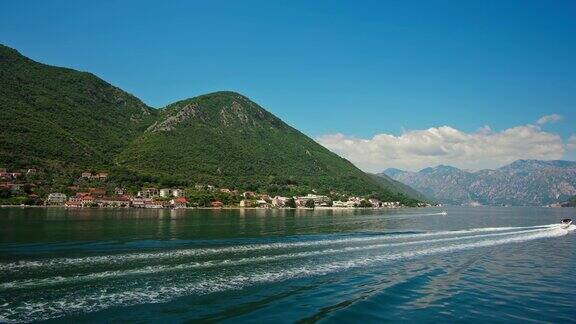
(523, 182)
(399, 187)
(392, 172)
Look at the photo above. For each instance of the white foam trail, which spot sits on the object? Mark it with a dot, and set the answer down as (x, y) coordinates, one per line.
(122, 258)
(27, 283)
(31, 311)
(380, 217)
(412, 215)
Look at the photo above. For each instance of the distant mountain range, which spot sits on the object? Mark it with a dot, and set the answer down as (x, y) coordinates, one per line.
(523, 182)
(67, 121)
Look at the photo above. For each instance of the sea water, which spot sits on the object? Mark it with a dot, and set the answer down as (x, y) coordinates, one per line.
(102, 265)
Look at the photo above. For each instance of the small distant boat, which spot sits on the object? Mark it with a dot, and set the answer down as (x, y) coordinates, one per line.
(443, 213)
(565, 223)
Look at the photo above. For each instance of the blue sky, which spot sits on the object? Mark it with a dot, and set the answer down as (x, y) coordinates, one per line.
(326, 67)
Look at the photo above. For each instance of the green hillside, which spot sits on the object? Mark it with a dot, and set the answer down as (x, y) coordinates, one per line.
(225, 139)
(63, 121)
(397, 186)
(60, 118)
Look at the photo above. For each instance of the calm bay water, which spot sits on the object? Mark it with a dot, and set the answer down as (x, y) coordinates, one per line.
(473, 264)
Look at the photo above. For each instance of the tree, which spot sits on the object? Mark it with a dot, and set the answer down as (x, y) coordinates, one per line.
(290, 203)
(310, 203)
(200, 198)
(5, 193)
(365, 204)
(33, 201)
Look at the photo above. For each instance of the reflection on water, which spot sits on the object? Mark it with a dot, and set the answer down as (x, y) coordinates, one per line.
(490, 264)
(54, 224)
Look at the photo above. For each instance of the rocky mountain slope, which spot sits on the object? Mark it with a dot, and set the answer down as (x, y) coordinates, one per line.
(524, 182)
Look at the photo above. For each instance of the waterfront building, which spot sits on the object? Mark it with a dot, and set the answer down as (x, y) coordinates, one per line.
(165, 192)
(56, 199)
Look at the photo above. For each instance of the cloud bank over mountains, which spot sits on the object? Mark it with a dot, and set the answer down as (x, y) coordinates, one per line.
(483, 149)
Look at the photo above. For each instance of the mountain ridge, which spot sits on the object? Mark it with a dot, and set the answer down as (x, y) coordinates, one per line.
(522, 182)
(62, 116)
(65, 121)
(227, 139)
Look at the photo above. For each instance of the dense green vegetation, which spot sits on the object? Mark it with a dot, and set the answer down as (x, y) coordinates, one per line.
(310, 204)
(62, 122)
(364, 204)
(225, 139)
(60, 118)
(290, 203)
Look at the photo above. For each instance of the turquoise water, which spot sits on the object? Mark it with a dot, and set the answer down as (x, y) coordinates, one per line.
(416, 265)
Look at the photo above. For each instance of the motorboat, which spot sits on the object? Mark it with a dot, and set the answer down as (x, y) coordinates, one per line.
(443, 212)
(565, 223)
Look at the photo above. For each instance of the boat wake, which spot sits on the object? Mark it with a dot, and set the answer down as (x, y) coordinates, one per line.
(160, 276)
(180, 253)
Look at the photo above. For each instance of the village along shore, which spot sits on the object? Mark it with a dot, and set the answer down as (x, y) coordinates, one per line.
(93, 190)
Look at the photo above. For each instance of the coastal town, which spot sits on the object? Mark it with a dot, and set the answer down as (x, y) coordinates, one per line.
(91, 190)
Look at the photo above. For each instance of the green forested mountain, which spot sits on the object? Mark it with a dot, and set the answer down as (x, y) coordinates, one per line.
(226, 139)
(62, 118)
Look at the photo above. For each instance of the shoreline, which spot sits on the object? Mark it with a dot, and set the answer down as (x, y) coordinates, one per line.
(263, 208)
(208, 208)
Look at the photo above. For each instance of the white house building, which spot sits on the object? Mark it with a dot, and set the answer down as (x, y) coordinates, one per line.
(56, 198)
(279, 201)
(165, 192)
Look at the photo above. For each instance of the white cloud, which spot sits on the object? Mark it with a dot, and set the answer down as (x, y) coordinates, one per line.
(549, 119)
(417, 149)
(571, 145)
